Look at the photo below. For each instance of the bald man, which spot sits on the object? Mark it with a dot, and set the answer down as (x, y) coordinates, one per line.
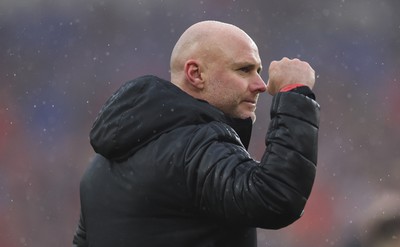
(172, 166)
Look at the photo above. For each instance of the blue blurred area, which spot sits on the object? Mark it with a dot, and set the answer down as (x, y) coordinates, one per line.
(60, 61)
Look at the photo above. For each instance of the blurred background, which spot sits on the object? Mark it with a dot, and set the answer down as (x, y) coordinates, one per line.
(60, 61)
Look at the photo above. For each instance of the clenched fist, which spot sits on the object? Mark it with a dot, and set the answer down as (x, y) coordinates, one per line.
(289, 71)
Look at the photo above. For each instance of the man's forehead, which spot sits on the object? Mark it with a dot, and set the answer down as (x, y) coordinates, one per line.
(247, 53)
(247, 61)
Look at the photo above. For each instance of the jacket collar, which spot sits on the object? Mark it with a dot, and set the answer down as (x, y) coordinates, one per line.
(145, 108)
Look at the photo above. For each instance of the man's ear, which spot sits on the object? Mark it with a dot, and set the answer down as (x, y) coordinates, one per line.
(194, 74)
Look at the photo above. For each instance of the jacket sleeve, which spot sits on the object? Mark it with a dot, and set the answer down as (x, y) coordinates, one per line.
(80, 235)
(231, 186)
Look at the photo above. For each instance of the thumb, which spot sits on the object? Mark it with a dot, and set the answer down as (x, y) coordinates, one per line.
(270, 88)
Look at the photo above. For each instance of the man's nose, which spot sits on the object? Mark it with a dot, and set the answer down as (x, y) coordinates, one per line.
(259, 84)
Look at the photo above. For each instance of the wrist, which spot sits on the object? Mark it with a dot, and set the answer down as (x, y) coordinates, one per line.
(291, 87)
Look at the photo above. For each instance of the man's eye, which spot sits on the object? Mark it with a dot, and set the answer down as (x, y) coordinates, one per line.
(245, 69)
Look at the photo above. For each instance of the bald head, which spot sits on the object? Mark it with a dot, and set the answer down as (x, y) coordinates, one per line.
(203, 42)
(219, 63)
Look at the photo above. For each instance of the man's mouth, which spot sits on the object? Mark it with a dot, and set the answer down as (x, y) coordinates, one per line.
(251, 101)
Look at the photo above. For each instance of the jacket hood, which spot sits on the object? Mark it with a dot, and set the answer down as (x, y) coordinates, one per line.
(143, 109)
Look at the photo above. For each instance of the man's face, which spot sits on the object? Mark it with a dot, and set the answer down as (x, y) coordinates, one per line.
(233, 80)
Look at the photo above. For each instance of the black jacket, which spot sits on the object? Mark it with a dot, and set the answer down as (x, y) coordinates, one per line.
(174, 171)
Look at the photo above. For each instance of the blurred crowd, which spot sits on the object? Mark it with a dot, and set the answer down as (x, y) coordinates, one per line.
(60, 61)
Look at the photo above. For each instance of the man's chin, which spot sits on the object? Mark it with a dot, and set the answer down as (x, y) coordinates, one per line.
(246, 115)
(251, 115)
(253, 118)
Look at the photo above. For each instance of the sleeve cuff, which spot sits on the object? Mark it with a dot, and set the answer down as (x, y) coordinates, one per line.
(299, 88)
